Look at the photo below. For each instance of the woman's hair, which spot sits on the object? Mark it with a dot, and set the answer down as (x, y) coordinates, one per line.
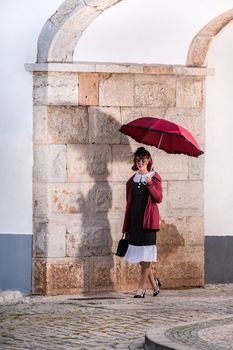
(141, 152)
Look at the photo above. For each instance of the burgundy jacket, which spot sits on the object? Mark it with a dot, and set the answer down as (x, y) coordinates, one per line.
(151, 215)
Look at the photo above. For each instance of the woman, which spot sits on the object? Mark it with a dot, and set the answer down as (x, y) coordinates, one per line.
(141, 223)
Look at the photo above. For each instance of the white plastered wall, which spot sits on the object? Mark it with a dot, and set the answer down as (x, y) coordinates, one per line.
(147, 31)
(219, 137)
(135, 40)
(20, 26)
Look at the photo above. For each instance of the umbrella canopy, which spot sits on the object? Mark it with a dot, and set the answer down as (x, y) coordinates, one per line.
(163, 134)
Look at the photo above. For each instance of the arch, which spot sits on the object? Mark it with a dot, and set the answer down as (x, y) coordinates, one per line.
(61, 32)
(200, 44)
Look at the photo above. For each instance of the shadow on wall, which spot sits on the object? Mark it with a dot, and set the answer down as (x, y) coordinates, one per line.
(180, 261)
(94, 235)
(169, 240)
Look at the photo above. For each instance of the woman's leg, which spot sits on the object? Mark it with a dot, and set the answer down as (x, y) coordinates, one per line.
(145, 270)
(155, 283)
(152, 279)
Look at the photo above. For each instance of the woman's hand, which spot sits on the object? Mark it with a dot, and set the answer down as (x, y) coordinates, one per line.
(149, 180)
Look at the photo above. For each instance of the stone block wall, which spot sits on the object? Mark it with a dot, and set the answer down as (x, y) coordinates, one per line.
(81, 163)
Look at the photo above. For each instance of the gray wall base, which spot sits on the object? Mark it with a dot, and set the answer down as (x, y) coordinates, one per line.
(219, 259)
(15, 262)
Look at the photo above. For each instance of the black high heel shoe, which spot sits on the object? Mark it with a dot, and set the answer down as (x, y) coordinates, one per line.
(142, 295)
(158, 285)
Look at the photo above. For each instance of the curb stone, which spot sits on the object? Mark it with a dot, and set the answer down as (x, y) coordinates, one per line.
(156, 340)
(10, 296)
(174, 337)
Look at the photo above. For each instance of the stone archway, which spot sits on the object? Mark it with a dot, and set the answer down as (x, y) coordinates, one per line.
(62, 31)
(78, 109)
(200, 44)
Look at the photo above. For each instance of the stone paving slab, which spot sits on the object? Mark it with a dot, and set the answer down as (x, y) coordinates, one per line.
(200, 318)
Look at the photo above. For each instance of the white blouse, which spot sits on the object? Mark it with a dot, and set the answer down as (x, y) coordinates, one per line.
(142, 177)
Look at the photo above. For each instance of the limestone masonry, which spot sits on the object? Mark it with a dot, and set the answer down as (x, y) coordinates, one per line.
(81, 163)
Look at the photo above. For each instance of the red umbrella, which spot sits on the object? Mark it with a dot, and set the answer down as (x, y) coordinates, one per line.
(162, 134)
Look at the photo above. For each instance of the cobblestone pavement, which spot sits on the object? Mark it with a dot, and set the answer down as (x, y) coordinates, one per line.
(194, 318)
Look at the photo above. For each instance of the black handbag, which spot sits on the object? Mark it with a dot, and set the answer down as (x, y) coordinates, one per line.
(122, 246)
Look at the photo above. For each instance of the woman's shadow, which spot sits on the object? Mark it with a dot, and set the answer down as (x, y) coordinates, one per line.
(96, 243)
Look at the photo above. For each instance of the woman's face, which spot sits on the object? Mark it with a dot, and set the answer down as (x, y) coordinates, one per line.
(142, 163)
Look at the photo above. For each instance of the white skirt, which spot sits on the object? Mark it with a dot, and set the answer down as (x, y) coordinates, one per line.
(136, 254)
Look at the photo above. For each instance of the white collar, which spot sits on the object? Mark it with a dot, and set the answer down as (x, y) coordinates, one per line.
(142, 177)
